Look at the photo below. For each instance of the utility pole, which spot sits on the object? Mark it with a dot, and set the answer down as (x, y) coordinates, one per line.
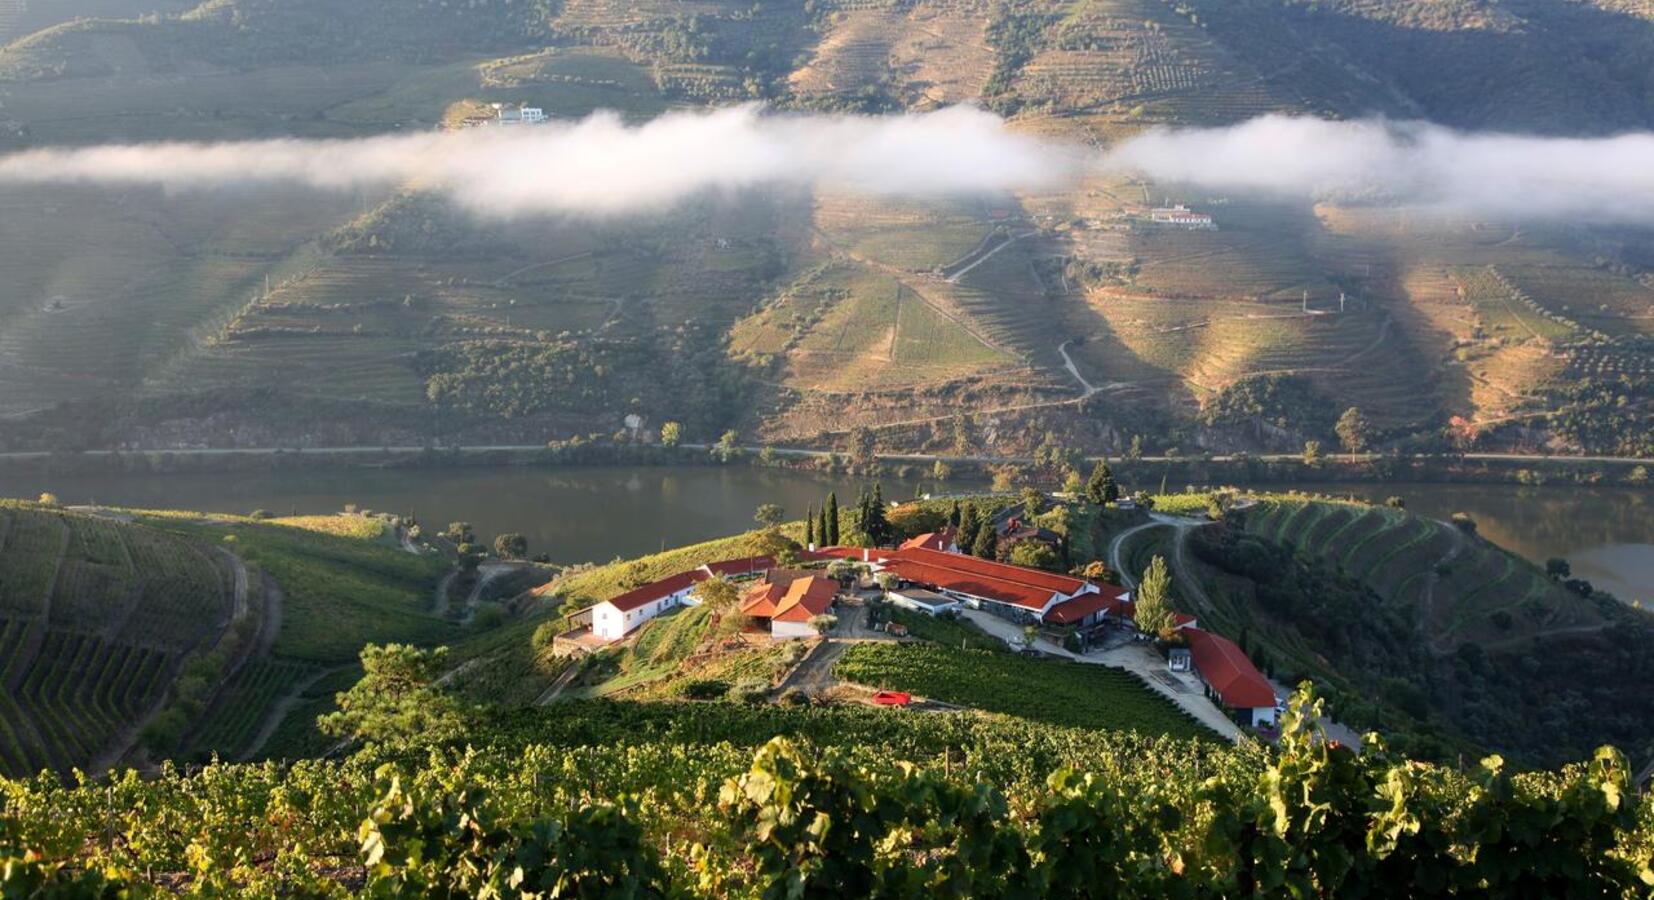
(1305, 306)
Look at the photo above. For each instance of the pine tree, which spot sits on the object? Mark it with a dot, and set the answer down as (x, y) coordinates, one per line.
(809, 525)
(1101, 487)
(986, 544)
(1154, 610)
(832, 518)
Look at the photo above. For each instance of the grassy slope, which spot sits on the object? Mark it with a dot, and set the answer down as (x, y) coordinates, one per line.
(340, 591)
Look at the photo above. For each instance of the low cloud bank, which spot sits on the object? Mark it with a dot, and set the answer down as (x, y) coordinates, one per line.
(600, 165)
(1407, 163)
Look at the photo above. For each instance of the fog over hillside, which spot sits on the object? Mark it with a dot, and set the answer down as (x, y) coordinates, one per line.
(602, 165)
(1410, 163)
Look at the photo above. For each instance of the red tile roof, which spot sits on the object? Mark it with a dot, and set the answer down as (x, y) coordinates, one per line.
(745, 565)
(762, 598)
(794, 600)
(654, 590)
(825, 553)
(932, 540)
(1039, 578)
(806, 598)
(1225, 667)
(1107, 598)
(1004, 591)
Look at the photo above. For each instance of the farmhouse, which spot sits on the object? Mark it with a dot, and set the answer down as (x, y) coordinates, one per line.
(1012, 592)
(520, 115)
(1231, 678)
(785, 602)
(617, 617)
(1181, 216)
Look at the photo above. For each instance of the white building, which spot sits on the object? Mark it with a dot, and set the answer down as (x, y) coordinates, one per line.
(520, 115)
(920, 600)
(1181, 216)
(617, 617)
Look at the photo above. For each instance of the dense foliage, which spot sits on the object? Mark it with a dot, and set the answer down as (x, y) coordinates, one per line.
(1284, 401)
(519, 379)
(1606, 415)
(655, 817)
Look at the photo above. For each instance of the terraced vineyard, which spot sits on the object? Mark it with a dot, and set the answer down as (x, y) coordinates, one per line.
(96, 616)
(102, 617)
(233, 722)
(80, 691)
(1457, 587)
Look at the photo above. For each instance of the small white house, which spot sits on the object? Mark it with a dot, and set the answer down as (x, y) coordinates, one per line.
(619, 616)
(521, 115)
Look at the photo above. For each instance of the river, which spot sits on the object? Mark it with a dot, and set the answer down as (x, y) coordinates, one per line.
(578, 514)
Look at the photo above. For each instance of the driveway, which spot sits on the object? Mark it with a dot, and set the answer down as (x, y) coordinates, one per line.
(1138, 659)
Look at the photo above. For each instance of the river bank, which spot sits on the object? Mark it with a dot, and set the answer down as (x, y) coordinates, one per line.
(595, 512)
(1160, 471)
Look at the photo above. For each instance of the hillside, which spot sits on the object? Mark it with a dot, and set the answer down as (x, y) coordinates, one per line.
(678, 763)
(265, 317)
(134, 633)
(1419, 628)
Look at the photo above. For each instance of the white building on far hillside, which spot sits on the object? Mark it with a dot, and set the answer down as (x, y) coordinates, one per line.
(518, 115)
(1181, 216)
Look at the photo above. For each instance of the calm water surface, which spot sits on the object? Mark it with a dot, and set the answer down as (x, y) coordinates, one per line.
(574, 514)
(577, 514)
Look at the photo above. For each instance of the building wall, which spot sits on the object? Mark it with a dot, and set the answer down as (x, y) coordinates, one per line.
(608, 623)
(788, 630)
(918, 606)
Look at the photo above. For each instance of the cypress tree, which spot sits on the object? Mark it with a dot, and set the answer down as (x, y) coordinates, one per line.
(986, 545)
(870, 516)
(809, 525)
(953, 515)
(831, 513)
(966, 538)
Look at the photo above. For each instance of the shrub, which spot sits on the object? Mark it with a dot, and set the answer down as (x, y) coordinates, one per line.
(752, 690)
(544, 634)
(795, 697)
(489, 615)
(705, 689)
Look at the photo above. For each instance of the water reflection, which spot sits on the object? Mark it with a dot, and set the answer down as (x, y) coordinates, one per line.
(596, 513)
